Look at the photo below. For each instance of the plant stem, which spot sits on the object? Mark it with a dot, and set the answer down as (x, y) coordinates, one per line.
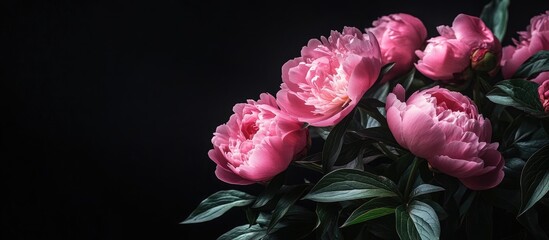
(411, 178)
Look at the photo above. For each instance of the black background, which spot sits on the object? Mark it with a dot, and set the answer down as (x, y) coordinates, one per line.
(109, 107)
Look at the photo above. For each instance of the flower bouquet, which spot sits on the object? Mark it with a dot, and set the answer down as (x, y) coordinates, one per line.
(396, 136)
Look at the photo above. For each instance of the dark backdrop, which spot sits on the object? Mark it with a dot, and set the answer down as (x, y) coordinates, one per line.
(108, 108)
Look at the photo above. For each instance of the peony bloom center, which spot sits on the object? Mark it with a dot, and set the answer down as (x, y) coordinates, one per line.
(326, 88)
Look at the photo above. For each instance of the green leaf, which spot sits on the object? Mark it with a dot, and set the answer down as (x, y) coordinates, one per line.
(244, 232)
(379, 91)
(530, 221)
(349, 184)
(425, 189)
(512, 170)
(321, 132)
(351, 151)
(419, 221)
(534, 180)
(405, 227)
(375, 208)
(381, 134)
(384, 70)
(286, 201)
(535, 64)
(495, 15)
(270, 191)
(408, 79)
(217, 204)
(371, 112)
(334, 142)
(297, 223)
(519, 93)
(251, 216)
(441, 212)
(527, 139)
(328, 214)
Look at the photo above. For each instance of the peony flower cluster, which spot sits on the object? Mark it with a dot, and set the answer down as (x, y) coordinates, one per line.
(327, 81)
(409, 127)
(323, 85)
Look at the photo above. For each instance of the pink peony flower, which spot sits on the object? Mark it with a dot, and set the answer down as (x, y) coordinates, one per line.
(323, 85)
(445, 128)
(467, 43)
(399, 36)
(258, 142)
(543, 91)
(534, 39)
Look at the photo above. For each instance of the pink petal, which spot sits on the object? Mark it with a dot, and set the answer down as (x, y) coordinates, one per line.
(459, 168)
(229, 177)
(421, 135)
(485, 181)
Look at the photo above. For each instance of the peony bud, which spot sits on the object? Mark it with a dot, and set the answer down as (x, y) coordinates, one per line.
(483, 60)
(399, 36)
(467, 45)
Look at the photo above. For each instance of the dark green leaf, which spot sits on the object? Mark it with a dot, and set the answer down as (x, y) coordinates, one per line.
(511, 129)
(334, 142)
(382, 134)
(406, 80)
(537, 63)
(534, 181)
(328, 214)
(512, 170)
(372, 108)
(425, 220)
(419, 221)
(404, 225)
(384, 70)
(466, 204)
(351, 151)
(441, 212)
(321, 132)
(530, 221)
(495, 15)
(286, 201)
(379, 91)
(519, 93)
(251, 216)
(397, 169)
(217, 204)
(425, 189)
(244, 232)
(375, 208)
(527, 139)
(270, 191)
(349, 184)
(297, 223)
